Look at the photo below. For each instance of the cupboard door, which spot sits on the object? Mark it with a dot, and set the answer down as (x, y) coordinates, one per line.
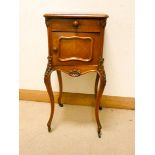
(80, 48)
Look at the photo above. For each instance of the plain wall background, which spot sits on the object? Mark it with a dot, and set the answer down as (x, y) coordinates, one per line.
(118, 45)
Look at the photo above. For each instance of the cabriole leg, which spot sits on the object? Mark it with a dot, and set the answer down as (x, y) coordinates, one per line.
(47, 82)
(99, 93)
(60, 88)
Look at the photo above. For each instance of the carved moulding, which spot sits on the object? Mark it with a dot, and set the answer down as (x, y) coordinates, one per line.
(49, 66)
(75, 38)
(100, 69)
(103, 23)
(47, 21)
(74, 73)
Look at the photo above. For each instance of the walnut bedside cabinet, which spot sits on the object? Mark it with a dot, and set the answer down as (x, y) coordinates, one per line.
(75, 47)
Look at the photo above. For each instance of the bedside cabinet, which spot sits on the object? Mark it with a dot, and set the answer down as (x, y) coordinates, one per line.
(75, 47)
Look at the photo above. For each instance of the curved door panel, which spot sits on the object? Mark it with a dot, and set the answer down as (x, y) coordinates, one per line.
(68, 47)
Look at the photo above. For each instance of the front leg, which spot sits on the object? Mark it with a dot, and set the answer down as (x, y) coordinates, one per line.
(102, 84)
(47, 82)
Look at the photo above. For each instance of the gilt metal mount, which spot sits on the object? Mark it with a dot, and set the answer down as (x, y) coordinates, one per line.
(74, 73)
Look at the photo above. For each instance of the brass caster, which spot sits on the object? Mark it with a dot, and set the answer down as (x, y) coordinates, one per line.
(99, 132)
(100, 107)
(61, 105)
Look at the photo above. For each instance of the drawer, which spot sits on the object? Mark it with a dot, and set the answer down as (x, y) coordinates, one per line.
(75, 25)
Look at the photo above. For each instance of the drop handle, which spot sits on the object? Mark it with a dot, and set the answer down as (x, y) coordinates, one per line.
(55, 49)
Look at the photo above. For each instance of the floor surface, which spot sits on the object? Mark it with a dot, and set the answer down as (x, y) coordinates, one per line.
(74, 130)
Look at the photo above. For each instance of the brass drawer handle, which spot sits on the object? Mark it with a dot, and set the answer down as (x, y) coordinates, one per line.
(76, 23)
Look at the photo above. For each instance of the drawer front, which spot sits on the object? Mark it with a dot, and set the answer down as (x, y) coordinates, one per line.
(75, 25)
(70, 48)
